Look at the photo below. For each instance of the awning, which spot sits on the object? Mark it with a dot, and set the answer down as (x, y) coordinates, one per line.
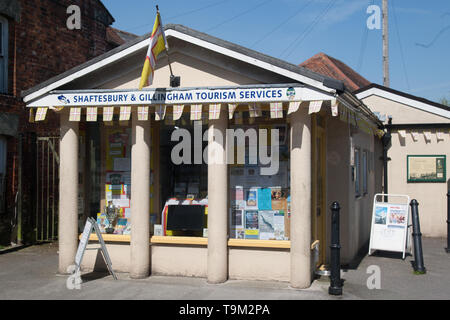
(203, 103)
(181, 96)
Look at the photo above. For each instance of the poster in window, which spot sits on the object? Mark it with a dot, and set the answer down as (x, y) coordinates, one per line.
(240, 233)
(252, 199)
(266, 226)
(251, 224)
(279, 201)
(117, 178)
(264, 199)
(278, 225)
(122, 164)
(426, 168)
(237, 218)
(117, 146)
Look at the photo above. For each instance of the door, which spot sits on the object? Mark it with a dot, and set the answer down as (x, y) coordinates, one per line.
(319, 187)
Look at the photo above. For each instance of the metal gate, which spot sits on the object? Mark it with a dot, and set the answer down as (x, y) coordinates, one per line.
(47, 190)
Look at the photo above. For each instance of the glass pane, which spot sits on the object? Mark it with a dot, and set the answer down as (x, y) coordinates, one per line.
(1, 39)
(364, 172)
(183, 178)
(116, 174)
(357, 172)
(259, 203)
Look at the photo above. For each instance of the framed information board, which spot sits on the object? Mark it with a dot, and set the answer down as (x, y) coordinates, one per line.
(426, 168)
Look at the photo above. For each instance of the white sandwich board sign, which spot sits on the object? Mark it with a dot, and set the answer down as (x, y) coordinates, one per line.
(91, 223)
(390, 229)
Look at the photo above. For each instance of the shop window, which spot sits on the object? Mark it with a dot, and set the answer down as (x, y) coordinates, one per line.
(365, 169)
(3, 55)
(260, 203)
(357, 172)
(115, 177)
(183, 181)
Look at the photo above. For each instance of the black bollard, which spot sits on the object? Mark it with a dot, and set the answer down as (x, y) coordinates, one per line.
(448, 222)
(419, 268)
(335, 276)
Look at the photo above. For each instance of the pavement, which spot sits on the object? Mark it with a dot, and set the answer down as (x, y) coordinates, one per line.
(31, 273)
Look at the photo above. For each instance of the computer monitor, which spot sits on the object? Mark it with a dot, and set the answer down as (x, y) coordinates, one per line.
(186, 218)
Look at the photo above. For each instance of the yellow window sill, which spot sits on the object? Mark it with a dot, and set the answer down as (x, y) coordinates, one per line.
(179, 240)
(277, 244)
(109, 237)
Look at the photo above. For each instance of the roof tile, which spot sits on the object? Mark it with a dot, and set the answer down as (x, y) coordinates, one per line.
(334, 68)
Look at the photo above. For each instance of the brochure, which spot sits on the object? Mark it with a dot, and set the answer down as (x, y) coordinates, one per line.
(279, 225)
(251, 224)
(266, 226)
(252, 199)
(264, 199)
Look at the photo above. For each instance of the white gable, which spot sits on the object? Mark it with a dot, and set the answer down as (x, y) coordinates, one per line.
(100, 71)
(403, 109)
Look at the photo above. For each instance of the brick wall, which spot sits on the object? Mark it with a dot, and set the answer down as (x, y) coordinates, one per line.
(40, 47)
(44, 47)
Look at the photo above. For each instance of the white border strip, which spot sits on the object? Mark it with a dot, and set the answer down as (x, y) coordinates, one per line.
(407, 101)
(87, 70)
(247, 59)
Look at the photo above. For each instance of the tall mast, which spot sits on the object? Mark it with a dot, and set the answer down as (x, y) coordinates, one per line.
(385, 44)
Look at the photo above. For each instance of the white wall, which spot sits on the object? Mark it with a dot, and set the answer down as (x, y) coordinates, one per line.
(194, 73)
(431, 196)
(356, 212)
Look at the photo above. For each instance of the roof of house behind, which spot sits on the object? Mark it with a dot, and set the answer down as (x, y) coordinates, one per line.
(331, 67)
(118, 37)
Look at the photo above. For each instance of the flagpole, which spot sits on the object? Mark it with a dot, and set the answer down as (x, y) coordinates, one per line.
(166, 45)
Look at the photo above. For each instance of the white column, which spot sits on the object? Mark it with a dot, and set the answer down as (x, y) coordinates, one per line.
(140, 198)
(300, 231)
(217, 200)
(68, 193)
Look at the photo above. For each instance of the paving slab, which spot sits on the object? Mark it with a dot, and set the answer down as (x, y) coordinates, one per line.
(31, 273)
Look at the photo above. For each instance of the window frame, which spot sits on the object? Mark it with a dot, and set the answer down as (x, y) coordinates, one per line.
(357, 172)
(4, 54)
(365, 172)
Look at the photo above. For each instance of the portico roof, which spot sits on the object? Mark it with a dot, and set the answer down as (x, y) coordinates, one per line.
(308, 85)
(283, 68)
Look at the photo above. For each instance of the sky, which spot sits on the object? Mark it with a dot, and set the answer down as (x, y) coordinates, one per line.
(295, 30)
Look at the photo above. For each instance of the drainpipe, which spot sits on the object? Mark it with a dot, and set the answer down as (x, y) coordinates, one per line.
(386, 140)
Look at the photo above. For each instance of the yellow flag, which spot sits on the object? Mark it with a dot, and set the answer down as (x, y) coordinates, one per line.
(157, 45)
